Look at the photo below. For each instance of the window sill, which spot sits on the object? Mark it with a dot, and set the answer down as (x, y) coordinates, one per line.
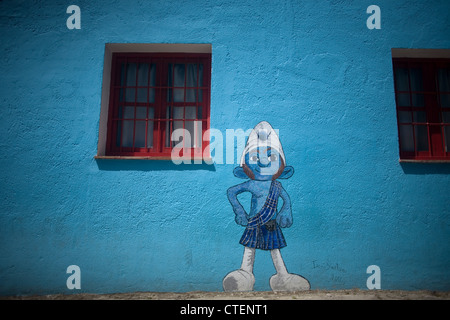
(159, 158)
(423, 161)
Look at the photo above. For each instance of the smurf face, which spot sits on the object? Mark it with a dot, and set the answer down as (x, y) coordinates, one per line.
(263, 158)
(263, 164)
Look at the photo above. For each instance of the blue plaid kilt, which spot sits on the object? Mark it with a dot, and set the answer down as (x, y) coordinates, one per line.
(262, 231)
(263, 238)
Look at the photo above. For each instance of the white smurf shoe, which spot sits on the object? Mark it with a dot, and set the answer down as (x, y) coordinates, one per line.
(238, 280)
(284, 281)
(289, 282)
(243, 278)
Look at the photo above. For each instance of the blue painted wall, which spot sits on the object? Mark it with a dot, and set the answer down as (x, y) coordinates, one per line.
(310, 68)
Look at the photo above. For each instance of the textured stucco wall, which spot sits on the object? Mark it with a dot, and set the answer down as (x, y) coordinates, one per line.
(310, 68)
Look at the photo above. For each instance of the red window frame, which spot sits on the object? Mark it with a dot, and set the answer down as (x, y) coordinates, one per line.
(423, 121)
(159, 119)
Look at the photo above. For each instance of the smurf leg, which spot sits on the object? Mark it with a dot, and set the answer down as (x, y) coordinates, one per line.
(282, 280)
(243, 278)
(248, 259)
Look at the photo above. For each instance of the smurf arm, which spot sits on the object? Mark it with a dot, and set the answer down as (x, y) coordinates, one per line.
(241, 217)
(284, 216)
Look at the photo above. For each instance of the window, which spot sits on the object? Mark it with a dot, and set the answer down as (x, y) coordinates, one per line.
(422, 93)
(157, 102)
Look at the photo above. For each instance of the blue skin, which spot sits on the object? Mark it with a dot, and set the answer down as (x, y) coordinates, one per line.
(264, 163)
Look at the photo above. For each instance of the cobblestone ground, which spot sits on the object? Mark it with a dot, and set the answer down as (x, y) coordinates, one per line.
(354, 294)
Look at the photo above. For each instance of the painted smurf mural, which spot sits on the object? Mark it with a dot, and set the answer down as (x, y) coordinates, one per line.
(263, 162)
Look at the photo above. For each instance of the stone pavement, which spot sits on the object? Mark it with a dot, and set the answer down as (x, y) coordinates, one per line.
(353, 294)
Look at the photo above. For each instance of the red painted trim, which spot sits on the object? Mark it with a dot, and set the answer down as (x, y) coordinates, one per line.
(435, 127)
(114, 144)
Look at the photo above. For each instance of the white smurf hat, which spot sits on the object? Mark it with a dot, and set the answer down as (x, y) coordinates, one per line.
(263, 135)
